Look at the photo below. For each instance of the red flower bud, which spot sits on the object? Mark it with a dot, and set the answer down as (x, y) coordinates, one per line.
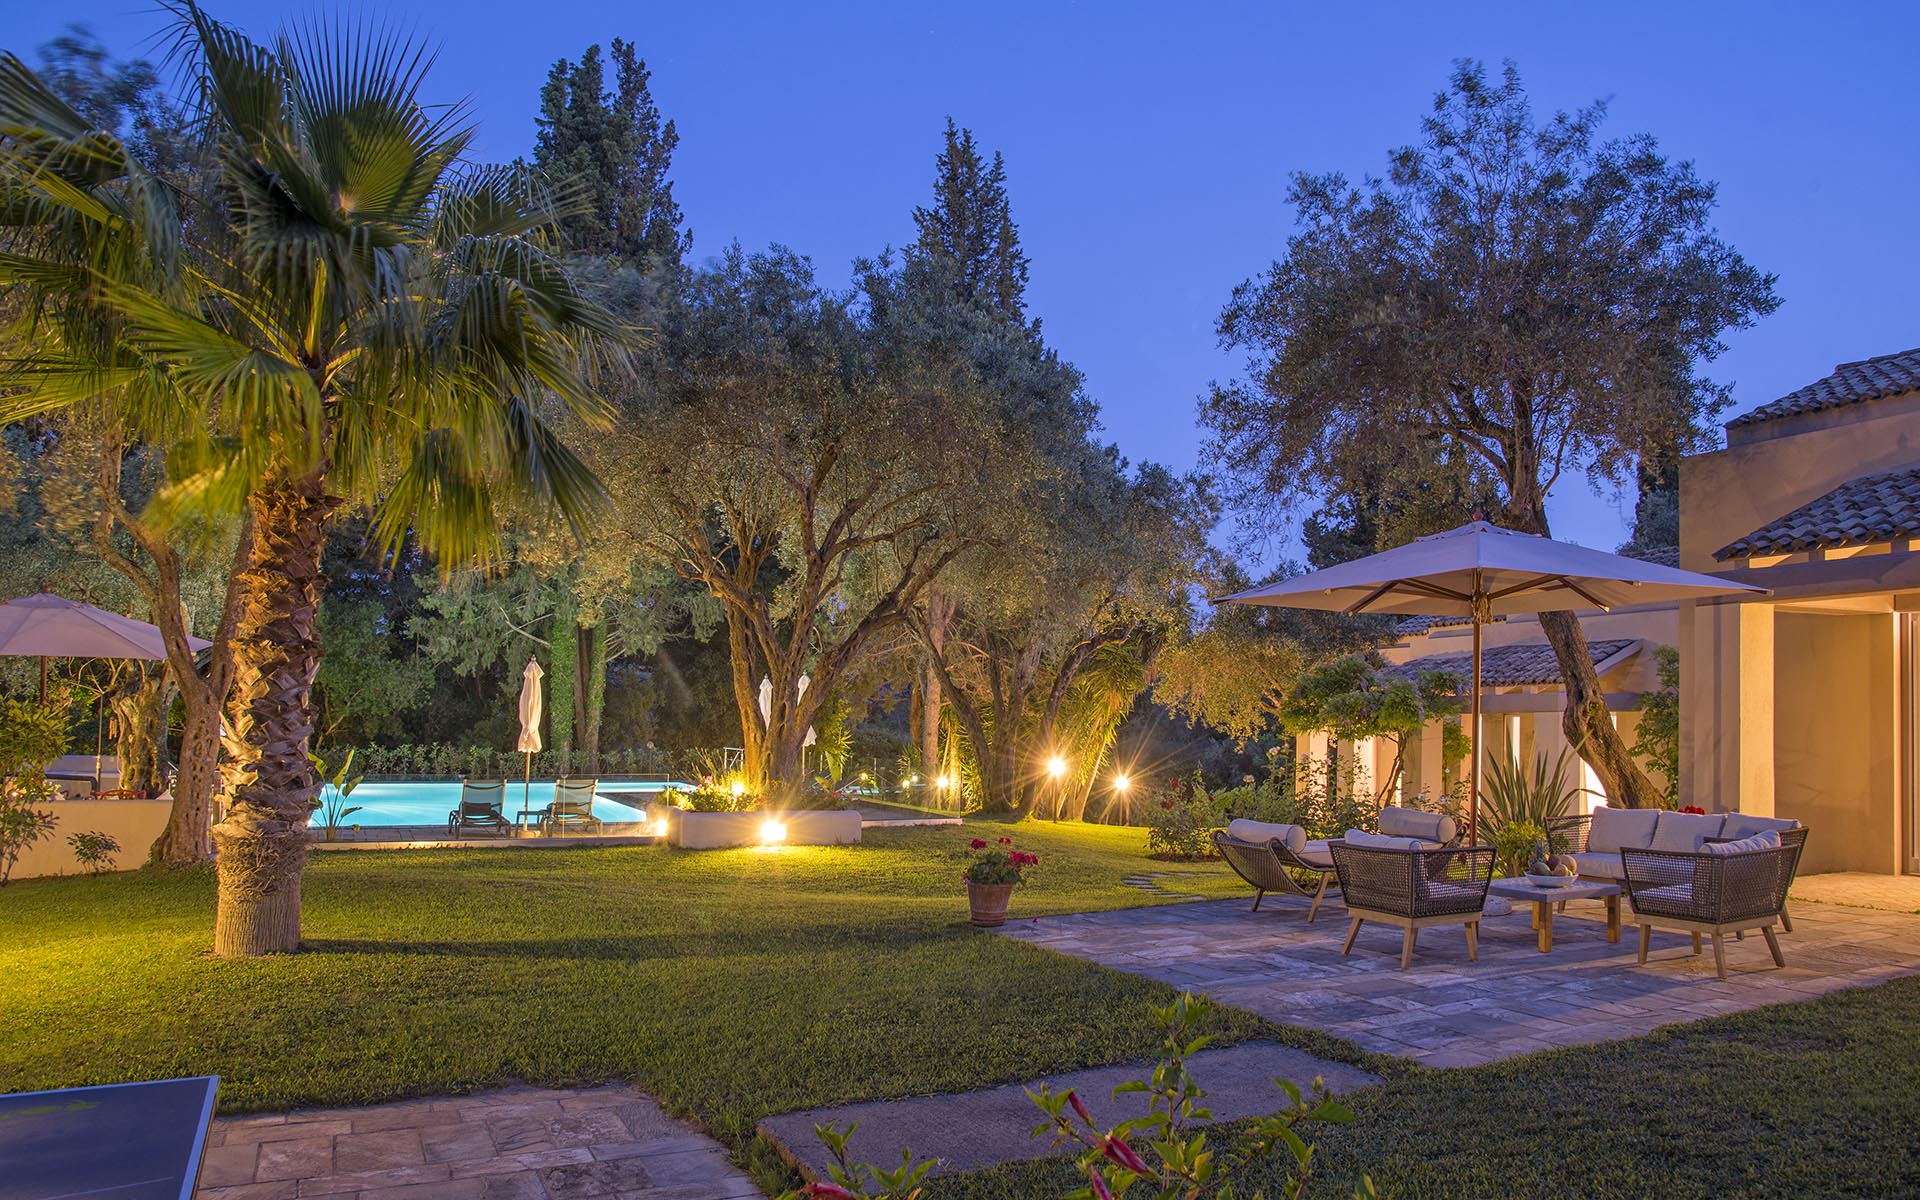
(977, 844)
(1099, 1185)
(1118, 1150)
(1006, 841)
(1073, 1098)
(826, 1191)
(1167, 804)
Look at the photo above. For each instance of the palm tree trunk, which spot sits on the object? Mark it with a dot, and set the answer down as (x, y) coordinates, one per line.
(262, 844)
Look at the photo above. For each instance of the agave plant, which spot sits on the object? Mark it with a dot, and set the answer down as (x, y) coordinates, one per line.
(1540, 797)
(336, 308)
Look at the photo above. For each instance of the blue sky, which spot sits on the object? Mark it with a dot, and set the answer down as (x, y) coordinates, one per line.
(1148, 146)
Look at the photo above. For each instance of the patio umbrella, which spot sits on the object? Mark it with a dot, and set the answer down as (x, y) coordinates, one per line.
(529, 743)
(1480, 571)
(47, 626)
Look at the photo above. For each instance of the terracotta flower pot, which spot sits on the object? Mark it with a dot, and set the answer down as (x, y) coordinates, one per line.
(989, 903)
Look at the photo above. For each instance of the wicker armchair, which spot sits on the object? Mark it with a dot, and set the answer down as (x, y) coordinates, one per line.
(1269, 865)
(1790, 839)
(1712, 894)
(1414, 889)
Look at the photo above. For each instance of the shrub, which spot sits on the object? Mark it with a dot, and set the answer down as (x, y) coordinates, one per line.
(1513, 845)
(94, 850)
(31, 736)
(998, 862)
(1539, 798)
(1179, 820)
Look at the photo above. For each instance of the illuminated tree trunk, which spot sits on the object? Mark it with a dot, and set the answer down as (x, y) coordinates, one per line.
(139, 710)
(271, 786)
(592, 693)
(563, 662)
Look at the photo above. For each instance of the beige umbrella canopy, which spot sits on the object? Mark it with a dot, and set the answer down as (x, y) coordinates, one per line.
(531, 703)
(47, 626)
(1479, 571)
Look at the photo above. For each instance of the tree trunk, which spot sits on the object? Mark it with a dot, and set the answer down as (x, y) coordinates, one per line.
(1586, 722)
(929, 700)
(140, 710)
(271, 786)
(187, 836)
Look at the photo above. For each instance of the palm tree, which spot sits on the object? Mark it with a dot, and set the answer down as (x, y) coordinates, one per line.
(335, 308)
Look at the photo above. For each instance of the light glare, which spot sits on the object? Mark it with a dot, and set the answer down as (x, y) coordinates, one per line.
(1056, 766)
(773, 832)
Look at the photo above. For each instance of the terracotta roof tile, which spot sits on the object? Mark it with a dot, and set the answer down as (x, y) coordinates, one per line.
(1850, 383)
(1509, 666)
(1873, 508)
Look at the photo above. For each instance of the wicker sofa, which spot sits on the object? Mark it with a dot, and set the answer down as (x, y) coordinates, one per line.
(1596, 840)
(1411, 888)
(1721, 888)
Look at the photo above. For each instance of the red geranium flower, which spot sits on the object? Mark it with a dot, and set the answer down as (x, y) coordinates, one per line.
(825, 1191)
(1006, 841)
(1167, 804)
(978, 844)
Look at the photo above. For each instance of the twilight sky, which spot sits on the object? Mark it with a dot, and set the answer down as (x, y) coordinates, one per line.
(1148, 146)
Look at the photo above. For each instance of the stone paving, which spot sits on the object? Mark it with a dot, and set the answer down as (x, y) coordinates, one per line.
(516, 1144)
(1446, 1011)
(1894, 893)
(970, 1130)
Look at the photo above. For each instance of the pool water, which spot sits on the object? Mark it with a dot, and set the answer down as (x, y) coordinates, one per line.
(428, 801)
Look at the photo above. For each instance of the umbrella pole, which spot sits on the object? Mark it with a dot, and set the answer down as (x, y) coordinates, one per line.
(1473, 796)
(43, 679)
(526, 791)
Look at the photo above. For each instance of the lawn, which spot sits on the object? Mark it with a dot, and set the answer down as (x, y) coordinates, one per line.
(730, 984)
(1819, 1098)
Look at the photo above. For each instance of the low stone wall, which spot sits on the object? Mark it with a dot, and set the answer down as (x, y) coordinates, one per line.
(716, 830)
(133, 823)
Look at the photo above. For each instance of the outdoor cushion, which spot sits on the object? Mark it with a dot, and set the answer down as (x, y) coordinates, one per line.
(1766, 839)
(1437, 828)
(1598, 864)
(1316, 854)
(1375, 841)
(1743, 825)
(1292, 837)
(1614, 828)
(1672, 893)
(1685, 831)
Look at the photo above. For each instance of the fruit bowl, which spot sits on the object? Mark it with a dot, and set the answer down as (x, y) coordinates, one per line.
(1552, 881)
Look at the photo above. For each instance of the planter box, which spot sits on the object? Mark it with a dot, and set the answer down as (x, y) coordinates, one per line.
(715, 830)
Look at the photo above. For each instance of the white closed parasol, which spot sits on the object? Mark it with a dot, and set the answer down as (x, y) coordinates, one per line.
(529, 743)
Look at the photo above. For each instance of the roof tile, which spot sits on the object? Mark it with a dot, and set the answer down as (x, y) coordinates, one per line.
(1873, 508)
(1850, 383)
(1508, 666)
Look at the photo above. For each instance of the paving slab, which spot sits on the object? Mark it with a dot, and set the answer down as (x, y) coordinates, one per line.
(1446, 1011)
(971, 1130)
(512, 1144)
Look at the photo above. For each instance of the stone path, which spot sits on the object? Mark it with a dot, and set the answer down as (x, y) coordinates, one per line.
(1894, 893)
(1153, 882)
(516, 1144)
(1446, 1011)
(968, 1131)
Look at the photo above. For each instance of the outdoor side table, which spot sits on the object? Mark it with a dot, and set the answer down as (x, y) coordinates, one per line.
(1544, 899)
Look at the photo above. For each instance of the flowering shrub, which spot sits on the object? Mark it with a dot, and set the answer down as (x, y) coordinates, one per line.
(1183, 1165)
(998, 862)
(1179, 820)
(1695, 809)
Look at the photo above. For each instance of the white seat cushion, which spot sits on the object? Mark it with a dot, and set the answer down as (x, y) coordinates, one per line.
(1436, 828)
(1598, 864)
(1614, 828)
(1766, 839)
(1292, 837)
(1685, 831)
(1743, 825)
(1377, 841)
(1316, 854)
(1672, 893)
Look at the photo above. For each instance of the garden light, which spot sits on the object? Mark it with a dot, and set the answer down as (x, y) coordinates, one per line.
(772, 832)
(1121, 783)
(943, 783)
(659, 827)
(1056, 766)
(739, 789)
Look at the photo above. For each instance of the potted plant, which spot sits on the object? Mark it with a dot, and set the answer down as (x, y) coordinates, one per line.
(991, 877)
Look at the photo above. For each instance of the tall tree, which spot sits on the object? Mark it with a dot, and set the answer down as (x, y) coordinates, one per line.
(342, 313)
(613, 147)
(968, 236)
(1528, 293)
(814, 474)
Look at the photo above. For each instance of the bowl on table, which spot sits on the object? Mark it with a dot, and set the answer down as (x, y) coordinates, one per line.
(1551, 881)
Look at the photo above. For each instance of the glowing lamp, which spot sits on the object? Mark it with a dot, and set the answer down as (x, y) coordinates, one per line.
(772, 833)
(943, 783)
(739, 789)
(1121, 783)
(659, 827)
(1056, 766)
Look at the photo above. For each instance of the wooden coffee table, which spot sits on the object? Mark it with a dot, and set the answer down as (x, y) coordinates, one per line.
(1544, 899)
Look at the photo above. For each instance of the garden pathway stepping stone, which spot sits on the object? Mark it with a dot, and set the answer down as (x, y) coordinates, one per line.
(972, 1130)
(515, 1144)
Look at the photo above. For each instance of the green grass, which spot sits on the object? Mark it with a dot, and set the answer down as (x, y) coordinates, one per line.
(730, 984)
(1819, 1098)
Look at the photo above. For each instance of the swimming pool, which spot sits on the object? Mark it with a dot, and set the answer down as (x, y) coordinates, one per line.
(428, 801)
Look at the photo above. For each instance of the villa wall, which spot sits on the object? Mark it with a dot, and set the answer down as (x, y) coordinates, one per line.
(1835, 761)
(133, 823)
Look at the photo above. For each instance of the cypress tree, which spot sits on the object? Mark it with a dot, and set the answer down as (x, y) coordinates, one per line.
(968, 234)
(615, 149)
